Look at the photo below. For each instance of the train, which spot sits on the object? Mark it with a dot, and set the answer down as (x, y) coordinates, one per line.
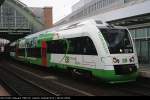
(89, 47)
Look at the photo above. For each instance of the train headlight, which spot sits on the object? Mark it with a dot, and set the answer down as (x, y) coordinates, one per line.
(115, 60)
(132, 59)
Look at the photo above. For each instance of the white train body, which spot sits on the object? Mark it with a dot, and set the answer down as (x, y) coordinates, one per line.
(112, 55)
(104, 60)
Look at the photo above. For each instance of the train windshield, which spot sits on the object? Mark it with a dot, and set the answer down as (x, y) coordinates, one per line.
(118, 40)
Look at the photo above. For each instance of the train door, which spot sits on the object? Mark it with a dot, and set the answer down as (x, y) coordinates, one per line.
(44, 53)
(90, 57)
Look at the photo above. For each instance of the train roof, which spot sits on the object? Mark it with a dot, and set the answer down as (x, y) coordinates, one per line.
(69, 26)
(73, 25)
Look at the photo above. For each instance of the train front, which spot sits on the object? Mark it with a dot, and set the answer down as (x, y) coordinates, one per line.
(123, 58)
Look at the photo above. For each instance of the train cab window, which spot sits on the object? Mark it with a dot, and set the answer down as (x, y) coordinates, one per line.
(118, 40)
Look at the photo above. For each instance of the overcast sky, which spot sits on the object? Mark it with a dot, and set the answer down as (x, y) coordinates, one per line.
(61, 8)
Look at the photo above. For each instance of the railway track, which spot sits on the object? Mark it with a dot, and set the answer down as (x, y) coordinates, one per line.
(21, 86)
(52, 87)
(139, 88)
(70, 87)
(133, 90)
(66, 85)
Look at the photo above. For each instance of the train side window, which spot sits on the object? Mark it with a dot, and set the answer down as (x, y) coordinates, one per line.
(37, 52)
(21, 52)
(12, 49)
(34, 52)
(82, 46)
(57, 46)
(89, 47)
(78, 46)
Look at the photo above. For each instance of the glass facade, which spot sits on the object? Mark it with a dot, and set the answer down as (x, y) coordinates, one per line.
(87, 8)
(11, 19)
(96, 4)
(141, 38)
(93, 7)
(126, 1)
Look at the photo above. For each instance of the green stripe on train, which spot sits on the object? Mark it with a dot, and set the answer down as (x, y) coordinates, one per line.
(108, 75)
(37, 61)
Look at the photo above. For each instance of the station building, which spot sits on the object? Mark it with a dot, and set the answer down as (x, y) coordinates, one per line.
(134, 14)
(18, 20)
(44, 15)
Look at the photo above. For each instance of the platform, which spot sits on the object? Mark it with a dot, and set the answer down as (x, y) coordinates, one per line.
(145, 71)
(3, 92)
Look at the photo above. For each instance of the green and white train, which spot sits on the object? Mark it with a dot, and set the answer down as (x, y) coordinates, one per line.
(86, 47)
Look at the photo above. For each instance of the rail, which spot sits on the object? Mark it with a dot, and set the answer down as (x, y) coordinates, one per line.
(64, 85)
(22, 86)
